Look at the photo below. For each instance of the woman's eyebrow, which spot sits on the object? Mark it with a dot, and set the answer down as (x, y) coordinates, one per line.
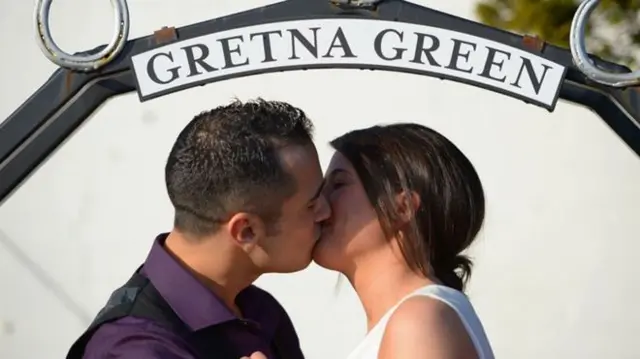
(336, 171)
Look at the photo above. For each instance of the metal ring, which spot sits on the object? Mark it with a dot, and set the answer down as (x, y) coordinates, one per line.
(81, 62)
(581, 58)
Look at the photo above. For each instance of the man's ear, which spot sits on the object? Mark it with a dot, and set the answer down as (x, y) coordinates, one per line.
(407, 203)
(246, 230)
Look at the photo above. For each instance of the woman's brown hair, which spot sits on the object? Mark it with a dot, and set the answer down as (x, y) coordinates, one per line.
(411, 158)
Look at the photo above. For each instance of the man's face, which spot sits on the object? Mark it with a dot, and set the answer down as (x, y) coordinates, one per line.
(298, 229)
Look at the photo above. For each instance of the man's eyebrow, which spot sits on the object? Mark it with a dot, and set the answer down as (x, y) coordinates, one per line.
(318, 191)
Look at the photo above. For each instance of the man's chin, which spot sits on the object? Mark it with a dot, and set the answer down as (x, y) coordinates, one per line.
(316, 247)
(308, 263)
(294, 269)
(317, 253)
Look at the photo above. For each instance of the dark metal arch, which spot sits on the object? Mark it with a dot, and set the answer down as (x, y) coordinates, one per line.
(36, 129)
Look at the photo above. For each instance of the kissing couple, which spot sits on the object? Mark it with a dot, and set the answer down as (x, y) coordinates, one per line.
(393, 213)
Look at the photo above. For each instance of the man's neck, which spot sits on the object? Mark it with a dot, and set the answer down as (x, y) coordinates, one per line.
(216, 268)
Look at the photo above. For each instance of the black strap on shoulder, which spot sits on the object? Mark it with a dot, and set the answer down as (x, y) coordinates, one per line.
(137, 298)
(279, 347)
(140, 299)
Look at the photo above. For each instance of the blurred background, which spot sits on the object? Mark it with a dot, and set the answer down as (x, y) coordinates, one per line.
(554, 263)
(613, 32)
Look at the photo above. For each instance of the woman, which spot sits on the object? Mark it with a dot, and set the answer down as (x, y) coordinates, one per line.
(406, 202)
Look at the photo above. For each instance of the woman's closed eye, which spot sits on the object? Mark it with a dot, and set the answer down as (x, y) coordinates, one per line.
(336, 180)
(336, 185)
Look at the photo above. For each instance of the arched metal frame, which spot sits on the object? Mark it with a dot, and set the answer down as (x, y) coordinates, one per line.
(36, 129)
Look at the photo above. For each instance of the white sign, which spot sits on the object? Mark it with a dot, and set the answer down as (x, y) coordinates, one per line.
(316, 43)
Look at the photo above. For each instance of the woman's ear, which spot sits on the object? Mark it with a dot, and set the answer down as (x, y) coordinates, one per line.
(407, 204)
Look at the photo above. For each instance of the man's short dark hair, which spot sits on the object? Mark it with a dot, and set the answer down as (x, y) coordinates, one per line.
(227, 160)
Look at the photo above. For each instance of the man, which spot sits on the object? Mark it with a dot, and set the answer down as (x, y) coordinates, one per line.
(245, 182)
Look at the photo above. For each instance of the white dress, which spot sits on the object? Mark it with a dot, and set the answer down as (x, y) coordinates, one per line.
(370, 345)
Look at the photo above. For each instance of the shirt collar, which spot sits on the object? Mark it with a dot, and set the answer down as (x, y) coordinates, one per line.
(195, 304)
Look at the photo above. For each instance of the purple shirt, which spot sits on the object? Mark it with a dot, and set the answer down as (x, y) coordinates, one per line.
(199, 308)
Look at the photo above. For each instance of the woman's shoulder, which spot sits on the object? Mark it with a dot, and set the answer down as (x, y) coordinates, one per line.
(428, 323)
(424, 310)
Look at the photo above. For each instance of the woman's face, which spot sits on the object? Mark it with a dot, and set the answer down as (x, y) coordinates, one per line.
(353, 229)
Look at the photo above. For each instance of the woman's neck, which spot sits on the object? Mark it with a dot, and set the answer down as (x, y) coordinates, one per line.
(381, 284)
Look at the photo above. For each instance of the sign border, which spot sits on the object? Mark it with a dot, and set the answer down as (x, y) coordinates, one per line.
(361, 66)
